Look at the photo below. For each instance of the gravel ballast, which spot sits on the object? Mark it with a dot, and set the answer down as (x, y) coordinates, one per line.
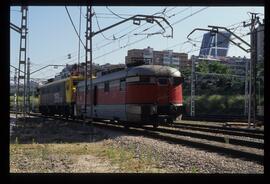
(165, 156)
(179, 158)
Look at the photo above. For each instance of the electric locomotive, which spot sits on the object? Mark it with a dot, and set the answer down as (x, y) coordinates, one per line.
(145, 94)
(58, 97)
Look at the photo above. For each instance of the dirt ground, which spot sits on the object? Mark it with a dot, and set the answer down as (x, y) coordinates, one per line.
(51, 146)
(41, 146)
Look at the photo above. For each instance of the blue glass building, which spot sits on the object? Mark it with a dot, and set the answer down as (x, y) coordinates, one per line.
(215, 44)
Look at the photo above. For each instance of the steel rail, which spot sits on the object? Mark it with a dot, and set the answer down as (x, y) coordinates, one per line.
(219, 131)
(230, 151)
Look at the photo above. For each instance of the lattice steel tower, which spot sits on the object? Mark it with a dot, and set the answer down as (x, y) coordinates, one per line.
(192, 88)
(22, 58)
(88, 58)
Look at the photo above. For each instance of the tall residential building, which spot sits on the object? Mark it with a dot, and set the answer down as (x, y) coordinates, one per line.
(149, 56)
(237, 65)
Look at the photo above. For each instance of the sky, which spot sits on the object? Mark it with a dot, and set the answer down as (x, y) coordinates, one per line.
(51, 36)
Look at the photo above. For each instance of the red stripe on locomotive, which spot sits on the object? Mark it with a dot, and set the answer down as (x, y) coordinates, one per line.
(136, 94)
(153, 93)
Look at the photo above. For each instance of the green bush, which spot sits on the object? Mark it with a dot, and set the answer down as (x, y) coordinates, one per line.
(34, 100)
(216, 104)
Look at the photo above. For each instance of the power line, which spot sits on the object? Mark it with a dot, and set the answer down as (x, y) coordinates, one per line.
(162, 21)
(108, 43)
(140, 27)
(113, 34)
(52, 60)
(131, 31)
(74, 26)
(121, 48)
(107, 17)
(194, 40)
(99, 26)
(124, 29)
(79, 46)
(149, 35)
(220, 42)
(112, 51)
(114, 13)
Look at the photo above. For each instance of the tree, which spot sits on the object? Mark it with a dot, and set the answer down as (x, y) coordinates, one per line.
(213, 67)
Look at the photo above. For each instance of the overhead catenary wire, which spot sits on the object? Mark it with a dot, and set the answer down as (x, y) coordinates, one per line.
(162, 20)
(115, 13)
(99, 26)
(144, 37)
(150, 35)
(119, 37)
(74, 26)
(60, 58)
(52, 61)
(194, 40)
(220, 42)
(79, 46)
(138, 28)
(121, 47)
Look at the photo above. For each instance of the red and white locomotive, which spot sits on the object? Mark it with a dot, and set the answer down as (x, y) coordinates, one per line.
(145, 94)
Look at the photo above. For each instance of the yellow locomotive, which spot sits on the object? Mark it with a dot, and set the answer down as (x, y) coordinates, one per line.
(58, 97)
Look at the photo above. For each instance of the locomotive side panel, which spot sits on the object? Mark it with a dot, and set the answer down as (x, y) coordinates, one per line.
(110, 100)
(53, 98)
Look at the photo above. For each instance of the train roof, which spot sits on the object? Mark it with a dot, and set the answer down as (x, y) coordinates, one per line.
(60, 81)
(150, 70)
(154, 70)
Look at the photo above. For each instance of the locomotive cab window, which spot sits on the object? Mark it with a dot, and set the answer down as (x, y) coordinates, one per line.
(144, 79)
(106, 87)
(177, 80)
(163, 81)
(122, 86)
(75, 82)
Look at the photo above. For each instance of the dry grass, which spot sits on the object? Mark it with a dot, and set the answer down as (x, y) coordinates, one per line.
(76, 157)
(54, 146)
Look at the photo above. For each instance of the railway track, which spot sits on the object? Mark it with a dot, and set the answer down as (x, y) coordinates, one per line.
(220, 130)
(210, 137)
(254, 131)
(215, 118)
(231, 146)
(243, 152)
(219, 118)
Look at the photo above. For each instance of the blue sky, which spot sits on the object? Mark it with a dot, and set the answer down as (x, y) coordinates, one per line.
(51, 35)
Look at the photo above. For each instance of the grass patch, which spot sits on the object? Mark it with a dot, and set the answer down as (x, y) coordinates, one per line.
(37, 157)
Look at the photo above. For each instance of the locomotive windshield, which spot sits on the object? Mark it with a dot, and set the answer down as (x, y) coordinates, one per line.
(75, 82)
(177, 80)
(162, 81)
